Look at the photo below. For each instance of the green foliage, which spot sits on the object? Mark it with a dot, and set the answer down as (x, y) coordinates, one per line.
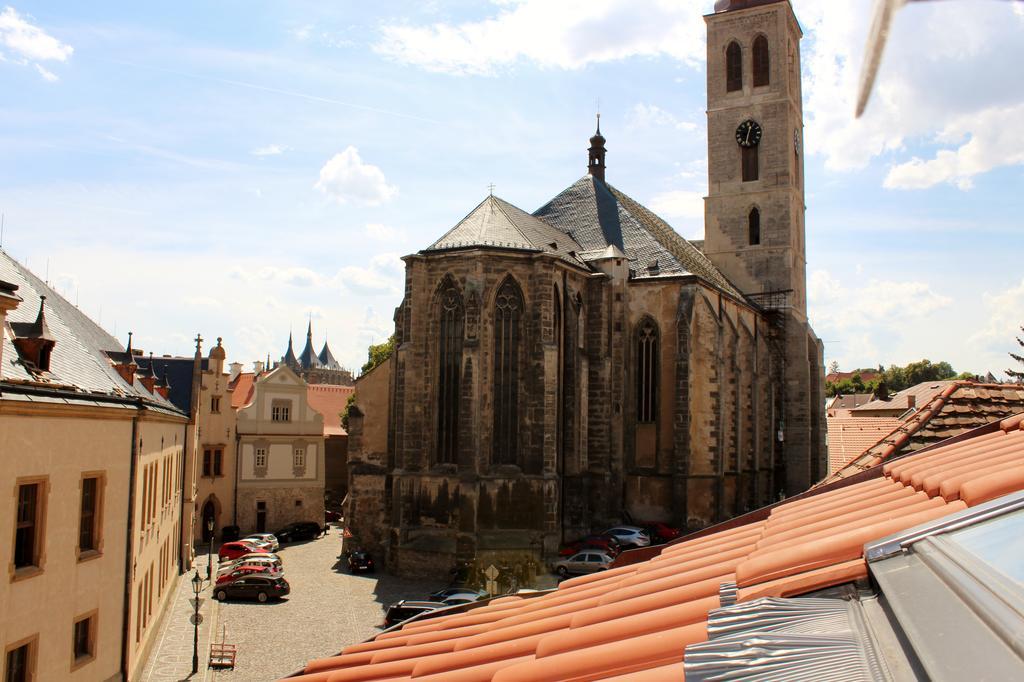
(895, 379)
(377, 354)
(348, 405)
(1017, 374)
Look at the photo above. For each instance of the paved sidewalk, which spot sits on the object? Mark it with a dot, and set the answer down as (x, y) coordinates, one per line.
(170, 660)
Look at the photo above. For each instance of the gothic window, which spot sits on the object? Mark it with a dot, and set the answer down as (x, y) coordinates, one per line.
(451, 318)
(761, 61)
(733, 67)
(750, 163)
(647, 372)
(508, 308)
(754, 227)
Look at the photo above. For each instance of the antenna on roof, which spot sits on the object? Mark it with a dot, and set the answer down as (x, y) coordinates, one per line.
(490, 188)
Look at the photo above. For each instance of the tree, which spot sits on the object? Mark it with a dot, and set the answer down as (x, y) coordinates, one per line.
(348, 405)
(1015, 374)
(833, 367)
(379, 353)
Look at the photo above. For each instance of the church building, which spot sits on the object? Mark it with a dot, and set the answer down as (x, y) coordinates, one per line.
(560, 371)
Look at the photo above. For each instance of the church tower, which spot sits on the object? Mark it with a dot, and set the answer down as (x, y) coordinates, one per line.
(754, 211)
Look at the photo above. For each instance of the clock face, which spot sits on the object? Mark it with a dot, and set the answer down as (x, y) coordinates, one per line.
(748, 134)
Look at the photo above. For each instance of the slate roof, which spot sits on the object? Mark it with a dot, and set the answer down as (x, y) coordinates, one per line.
(898, 403)
(636, 620)
(597, 215)
(497, 223)
(327, 358)
(959, 408)
(848, 402)
(330, 401)
(79, 362)
(178, 371)
(849, 437)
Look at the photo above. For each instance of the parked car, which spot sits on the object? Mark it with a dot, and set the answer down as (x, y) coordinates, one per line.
(630, 536)
(258, 587)
(257, 542)
(360, 560)
(403, 610)
(331, 516)
(660, 532)
(232, 550)
(269, 538)
(608, 544)
(584, 562)
(301, 530)
(243, 571)
(229, 533)
(461, 592)
(270, 561)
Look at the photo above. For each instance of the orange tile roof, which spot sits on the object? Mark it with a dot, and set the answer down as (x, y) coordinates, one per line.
(242, 389)
(330, 400)
(633, 621)
(848, 437)
(958, 409)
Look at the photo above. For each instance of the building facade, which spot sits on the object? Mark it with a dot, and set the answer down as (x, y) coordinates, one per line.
(561, 371)
(280, 446)
(93, 456)
(215, 455)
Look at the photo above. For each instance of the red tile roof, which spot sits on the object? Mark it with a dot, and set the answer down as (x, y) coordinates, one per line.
(849, 437)
(836, 377)
(634, 620)
(959, 408)
(330, 400)
(909, 398)
(242, 389)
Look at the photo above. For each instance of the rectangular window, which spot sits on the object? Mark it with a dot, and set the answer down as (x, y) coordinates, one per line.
(750, 164)
(83, 639)
(88, 521)
(218, 462)
(261, 457)
(280, 411)
(26, 534)
(207, 463)
(299, 460)
(215, 403)
(19, 666)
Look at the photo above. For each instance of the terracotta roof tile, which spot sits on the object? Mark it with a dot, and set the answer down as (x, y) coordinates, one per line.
(330, 401)
(632, 622)
(242, 389)
(849, 437)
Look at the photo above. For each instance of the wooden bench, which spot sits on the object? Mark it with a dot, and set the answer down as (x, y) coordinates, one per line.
(222, 656)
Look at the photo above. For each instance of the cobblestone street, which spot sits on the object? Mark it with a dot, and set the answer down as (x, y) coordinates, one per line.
(327, 609)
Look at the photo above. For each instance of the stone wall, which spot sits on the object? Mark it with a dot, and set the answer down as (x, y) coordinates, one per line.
(281, 506)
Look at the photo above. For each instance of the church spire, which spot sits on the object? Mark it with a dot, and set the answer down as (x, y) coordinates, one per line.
(595, 165)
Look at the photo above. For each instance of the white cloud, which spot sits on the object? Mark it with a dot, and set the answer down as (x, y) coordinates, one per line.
(994, 139)
(385, 274)
(48, 76)
(270, 150)
(1004, 314)
(926, 87)
(650, 116)
(569, 35)
(346, 178)
(30, 43)
(384, 233)
(679, 204)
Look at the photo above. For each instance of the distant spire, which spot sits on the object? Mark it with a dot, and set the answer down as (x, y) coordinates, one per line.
(128, 350)
(289, 356)
(595, 163)
(39, 329)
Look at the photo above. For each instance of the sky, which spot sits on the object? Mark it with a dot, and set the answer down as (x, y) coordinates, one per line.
(240, 169)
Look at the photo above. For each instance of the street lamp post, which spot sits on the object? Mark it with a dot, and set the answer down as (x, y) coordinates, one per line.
(209, 556)
(197, 587)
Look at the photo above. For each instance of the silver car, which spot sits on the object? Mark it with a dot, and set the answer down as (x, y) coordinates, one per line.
(589, 561)
(630, 536)
(265, 540)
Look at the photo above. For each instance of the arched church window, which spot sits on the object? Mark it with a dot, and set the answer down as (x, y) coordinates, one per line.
(754, 227)
(733, 67)
(508, 309)
(452, 318)
(647, 371)
(761, 61)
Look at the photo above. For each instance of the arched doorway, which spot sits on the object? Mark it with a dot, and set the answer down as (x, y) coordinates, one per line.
(209, 520)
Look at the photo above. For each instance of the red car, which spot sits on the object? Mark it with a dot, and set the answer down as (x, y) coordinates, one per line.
(661, 532)
(601, 543)
(230, 551)
(246, 570)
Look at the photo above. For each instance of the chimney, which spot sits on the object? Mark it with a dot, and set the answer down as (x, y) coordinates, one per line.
(9, 300)
(257, 367)
(236, 369)
(911, 401)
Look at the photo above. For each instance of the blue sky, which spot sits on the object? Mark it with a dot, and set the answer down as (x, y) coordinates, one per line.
(233, 168)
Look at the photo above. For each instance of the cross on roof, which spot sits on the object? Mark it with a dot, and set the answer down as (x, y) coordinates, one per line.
(490, 187)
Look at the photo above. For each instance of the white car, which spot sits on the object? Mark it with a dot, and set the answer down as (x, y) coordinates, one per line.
(630, 536)
(587, 561)
(259, 543)
(271, 560)
(264, 538)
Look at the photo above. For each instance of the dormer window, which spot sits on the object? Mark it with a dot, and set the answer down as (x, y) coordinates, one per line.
(34, 341)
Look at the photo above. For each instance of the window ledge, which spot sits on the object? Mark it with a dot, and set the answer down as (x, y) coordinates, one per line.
(25, 573)
(82, 661)
(89, 555)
